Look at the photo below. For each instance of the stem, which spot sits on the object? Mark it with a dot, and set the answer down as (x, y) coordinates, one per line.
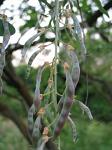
(56, 47)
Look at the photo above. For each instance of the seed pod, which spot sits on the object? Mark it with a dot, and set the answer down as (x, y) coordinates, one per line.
(46, 101)
(37, 128)
(31, 112)
(77, 32)
(29, 42)
(2, 64)
(75, 73)
(74, 131)
(33, 56)
(63, 54)
(6, 36)
(37, 99)
(85, 109)
(66, 106)
(42, 142)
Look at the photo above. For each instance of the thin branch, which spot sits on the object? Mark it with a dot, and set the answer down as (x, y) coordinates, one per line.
(93, 18)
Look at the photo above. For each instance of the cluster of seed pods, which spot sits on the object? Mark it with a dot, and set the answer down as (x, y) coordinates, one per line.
(72, 73)
(75, 30)
(36, 103)
(67, 100)
(36, 110)
(6, 38)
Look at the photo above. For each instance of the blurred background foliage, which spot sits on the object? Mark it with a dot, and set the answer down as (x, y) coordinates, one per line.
(95, 84)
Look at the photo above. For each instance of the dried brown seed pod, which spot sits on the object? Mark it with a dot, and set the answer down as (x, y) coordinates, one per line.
(45, 131)
(41, 111)
(66, 66)
(41, 96)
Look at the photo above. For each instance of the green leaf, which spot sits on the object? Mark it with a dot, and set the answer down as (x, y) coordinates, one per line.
(99, 4)
(11, 28)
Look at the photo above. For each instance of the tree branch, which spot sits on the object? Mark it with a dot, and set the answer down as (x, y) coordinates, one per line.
(8, 113)
(93, 18)
(18, 83)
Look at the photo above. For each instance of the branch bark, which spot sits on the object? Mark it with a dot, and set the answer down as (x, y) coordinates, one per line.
(8, 113)
(18, 83)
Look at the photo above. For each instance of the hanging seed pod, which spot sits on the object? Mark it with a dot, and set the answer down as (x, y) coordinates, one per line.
(75, 73)
(73, 67)
(2, 64)
(37, 99)
(38, 125)
(6, 36)
(33, 56)
(85, 109)
(42, 142)
(63, 55)
(37, 128)
(67, 103)
(74, 131)
(31, 112)
(29, 42)
(77, 31)
(46, 100)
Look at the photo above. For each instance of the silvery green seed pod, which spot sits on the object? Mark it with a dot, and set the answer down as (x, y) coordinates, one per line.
(85, 109)
(33, 56)
(2, 64)
(37, 127)
(37, 99)
(74, 131)
(77, 32)
(68, 101)
(46, 102)
(41, 143)
(6, 36)
(31, 112)
(29, 42)
(75, 73)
